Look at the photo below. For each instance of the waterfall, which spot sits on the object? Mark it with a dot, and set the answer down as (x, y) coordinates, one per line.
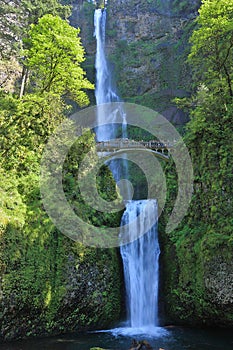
(104, 93)
(140, 257)
(141, 264)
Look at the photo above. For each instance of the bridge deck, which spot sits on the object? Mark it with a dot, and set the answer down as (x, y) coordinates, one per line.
(117, 144)
(160, 149)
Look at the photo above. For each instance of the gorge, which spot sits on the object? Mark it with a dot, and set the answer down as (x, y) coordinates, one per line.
(148, 45)
(141, 255)
(158, 54)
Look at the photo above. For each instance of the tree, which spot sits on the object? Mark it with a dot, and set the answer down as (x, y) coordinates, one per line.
(53, 59)
(209, 134)
(36, 9)
(16, 17)
(212, 46)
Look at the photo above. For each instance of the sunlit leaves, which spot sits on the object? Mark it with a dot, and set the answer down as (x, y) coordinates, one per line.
(212, 45)
(209, 132)
(54, 56)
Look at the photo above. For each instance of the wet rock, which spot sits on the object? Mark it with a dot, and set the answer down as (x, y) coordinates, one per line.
(140, 345)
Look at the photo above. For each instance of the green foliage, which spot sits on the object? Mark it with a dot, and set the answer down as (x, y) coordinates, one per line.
(34, 257)
(26, 125)
(38, 8)
(54, 58)
(105, 184)
(12, 208)
(209, 135)
(203, 242)
(16, 19)
(213, 41)
(198, 251)
(37, 263)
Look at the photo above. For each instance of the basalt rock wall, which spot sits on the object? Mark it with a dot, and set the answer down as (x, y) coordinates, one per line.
(147, 45)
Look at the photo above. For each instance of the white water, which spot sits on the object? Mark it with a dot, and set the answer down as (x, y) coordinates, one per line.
(140, 258)
(105, 93)
(141, 264)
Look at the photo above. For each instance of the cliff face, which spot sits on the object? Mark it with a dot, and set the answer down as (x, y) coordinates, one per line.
(56, 286)
(147, 44)
(197, 277)
(50, 284)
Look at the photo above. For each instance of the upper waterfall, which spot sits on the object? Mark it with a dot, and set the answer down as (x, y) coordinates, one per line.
(104, 92)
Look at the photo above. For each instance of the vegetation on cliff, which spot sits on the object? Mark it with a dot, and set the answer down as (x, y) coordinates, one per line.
(49, 284)
(199, 286)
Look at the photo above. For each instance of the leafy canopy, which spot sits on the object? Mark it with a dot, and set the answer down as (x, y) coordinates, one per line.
(53, 58)
(38, 8)
(16, 17)
(52, 61)
(209, 132)
(212, 45)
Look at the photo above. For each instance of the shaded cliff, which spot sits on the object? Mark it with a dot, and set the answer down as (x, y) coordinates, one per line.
(50, 284)
(197, 277)
(147, 45)
(197, 257)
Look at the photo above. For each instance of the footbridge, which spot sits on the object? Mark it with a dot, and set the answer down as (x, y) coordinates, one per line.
(116, 146)
(100, 4)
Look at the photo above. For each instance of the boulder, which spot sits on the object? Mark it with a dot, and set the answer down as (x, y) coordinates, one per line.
(140, 345)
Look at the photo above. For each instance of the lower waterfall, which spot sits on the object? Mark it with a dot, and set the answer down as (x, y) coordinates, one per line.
(141, 264)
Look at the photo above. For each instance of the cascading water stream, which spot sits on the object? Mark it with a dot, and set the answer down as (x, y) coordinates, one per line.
(141, 264)
(105, 93)
(140, 257)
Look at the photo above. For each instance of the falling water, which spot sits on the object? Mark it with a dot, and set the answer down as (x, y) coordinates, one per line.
(105, 93)
(140, 257)
(141, 266)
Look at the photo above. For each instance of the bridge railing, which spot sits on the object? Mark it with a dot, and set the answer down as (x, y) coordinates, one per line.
(100, 4)
(118, 144)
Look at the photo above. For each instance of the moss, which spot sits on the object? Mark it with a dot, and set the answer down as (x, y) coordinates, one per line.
(45, 272)
(51, 284)
(198, 257)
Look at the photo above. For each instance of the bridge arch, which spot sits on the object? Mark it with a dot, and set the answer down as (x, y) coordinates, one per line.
(114, 147)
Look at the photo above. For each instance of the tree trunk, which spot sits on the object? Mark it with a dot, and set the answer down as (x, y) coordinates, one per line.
(24, 81)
